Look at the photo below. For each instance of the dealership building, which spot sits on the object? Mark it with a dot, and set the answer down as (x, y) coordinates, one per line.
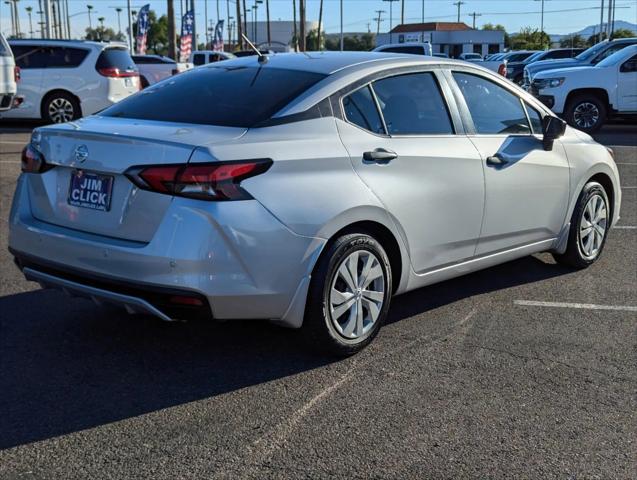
(452, 38)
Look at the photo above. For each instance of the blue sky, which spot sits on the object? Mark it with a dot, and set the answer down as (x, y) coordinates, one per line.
(562, 16)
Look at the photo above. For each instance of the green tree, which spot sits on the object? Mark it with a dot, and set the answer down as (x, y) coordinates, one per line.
(500, 28)
(530, 39)
(157, 38)
(102, 34)
(623, 33)
(573, 41)
(364, 42)
(312, 39)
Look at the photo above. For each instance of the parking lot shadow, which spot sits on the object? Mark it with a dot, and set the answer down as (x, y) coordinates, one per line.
(66, 365)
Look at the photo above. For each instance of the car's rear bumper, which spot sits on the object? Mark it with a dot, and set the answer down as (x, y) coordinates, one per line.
(238, 256)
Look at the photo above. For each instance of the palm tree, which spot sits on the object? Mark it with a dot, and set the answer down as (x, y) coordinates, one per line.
(318, 35)
(29, 10)
(101, 20)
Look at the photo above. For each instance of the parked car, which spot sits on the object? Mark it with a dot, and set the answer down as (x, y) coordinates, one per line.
(440, 55)
(590, 56)
(202, 57)
(499, 66)
(517, 56)
(515, 69)
(9, 75)
(470, 57)
(587, 96)
(306, 190)
(154, 68)
(413, 48)
(61, 80)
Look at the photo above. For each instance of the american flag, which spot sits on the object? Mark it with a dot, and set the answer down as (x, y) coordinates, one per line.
(143, 24)
(218, 39)
(185, 46)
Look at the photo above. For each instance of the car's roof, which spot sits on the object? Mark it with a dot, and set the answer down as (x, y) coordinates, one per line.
(328, 63)
(77, 43)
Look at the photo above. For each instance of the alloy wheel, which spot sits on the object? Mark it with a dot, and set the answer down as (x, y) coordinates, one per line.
(61, 110)
(357, 294)
(586, 115)
(593, 226)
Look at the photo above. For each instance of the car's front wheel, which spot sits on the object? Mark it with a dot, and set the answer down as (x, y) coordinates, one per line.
(586, 113)
(349, 295)
(60, 107)
(590, 223)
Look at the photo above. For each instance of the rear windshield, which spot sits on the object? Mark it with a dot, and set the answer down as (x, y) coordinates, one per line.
(217, 95)
(115, 58)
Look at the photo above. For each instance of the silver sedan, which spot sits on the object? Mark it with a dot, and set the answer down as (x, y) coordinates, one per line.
(306, 189)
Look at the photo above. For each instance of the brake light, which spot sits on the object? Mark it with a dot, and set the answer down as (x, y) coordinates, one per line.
(17, 75)
(204, 181)
(502, 69)
(32, 161)
(115, 72)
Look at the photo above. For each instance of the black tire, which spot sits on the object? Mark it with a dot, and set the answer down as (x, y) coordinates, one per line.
(60, 101)
(586, 103)
(319, 328)
(575, 256)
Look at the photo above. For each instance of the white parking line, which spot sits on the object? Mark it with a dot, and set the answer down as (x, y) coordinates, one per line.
(625, 163)
(10, 161)
(586, 306)
(628, 187)
(625, 227)
(12, 142)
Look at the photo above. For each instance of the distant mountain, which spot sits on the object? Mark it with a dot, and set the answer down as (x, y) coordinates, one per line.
(593, 29)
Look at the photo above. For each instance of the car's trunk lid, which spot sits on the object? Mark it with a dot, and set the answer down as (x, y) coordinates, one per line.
(88, 191)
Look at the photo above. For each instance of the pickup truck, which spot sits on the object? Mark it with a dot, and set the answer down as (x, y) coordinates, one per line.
(9, 74)
(590, 56)
(515, 68)
(154, 68)
(587, 95)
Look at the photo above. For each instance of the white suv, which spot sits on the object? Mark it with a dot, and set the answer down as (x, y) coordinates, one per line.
(63, 80)
(9, 75)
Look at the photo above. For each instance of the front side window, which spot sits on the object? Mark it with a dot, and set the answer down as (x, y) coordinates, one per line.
(493, 108)
(609, 51)
(535, 117)
(414, 50)
(412, 104)
(360, 109)
(629, 65)
(216, 95)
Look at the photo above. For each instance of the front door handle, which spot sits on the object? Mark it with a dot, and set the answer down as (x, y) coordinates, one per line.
(380, 155)
(497, 160)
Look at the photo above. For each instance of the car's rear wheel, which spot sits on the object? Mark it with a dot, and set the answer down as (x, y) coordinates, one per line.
(589, 227)
(349, 295)
(60, 107)
(586, 113)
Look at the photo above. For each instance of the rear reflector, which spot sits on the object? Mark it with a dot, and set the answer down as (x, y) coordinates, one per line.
(183, 300)
(205, 181)
(17, 74)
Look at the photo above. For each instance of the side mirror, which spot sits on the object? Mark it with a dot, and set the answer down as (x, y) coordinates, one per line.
(552, 129)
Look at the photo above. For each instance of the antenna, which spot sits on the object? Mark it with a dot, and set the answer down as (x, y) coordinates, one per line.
(261, 56)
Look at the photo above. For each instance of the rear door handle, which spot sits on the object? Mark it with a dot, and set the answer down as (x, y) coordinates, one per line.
(380, 155)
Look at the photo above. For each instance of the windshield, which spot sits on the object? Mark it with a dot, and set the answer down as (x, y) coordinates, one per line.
(215, 94)
(617, 57)
(591, 52)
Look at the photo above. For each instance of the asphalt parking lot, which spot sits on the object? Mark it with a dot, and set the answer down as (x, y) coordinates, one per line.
(526, 370)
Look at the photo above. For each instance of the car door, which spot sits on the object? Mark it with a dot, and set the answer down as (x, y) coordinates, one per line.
(416, 159)
(527, 187)
(32, 61)
(627, 85)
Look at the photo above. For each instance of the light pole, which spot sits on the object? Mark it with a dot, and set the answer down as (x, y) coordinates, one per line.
(541, 17)
(342, 39)
(130, 26)
(29, 10)
(119, 20)
(378, 20)
(90, 23)
(12, 17)
(391, 19)
(474, 15)
(17, 18)
(422, 13)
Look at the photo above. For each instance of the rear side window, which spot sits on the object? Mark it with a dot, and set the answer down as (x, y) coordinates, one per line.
(415, 50)
(30, 56)
(217, 95)
(115, 58)
(199, 59)
(413, 105)
(494, 109)
(5, 51)
(63, 57)
(360, 109)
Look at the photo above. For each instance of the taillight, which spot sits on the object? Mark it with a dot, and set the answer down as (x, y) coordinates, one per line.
(32, 161)
(204, 181)
(115, 72)
(17, 75)
(502, 69)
